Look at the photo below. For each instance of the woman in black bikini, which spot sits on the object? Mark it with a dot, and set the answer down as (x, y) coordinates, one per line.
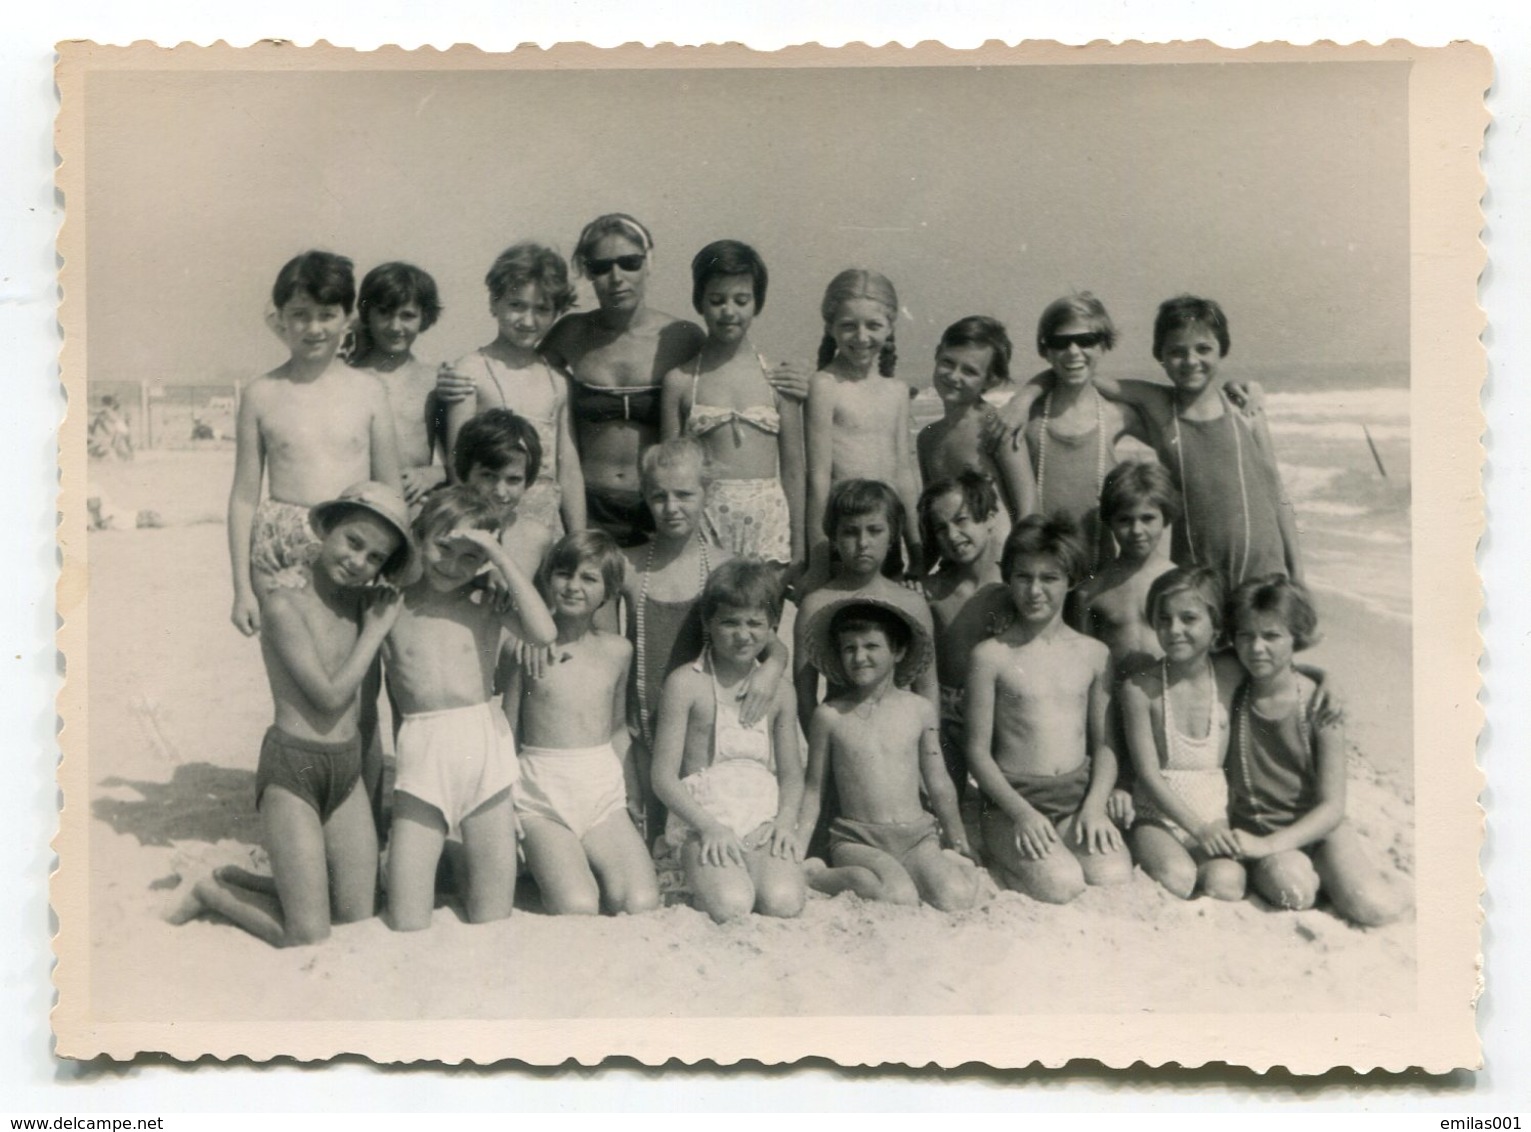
(617, 355)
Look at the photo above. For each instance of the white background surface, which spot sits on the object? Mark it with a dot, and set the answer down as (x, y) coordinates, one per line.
(31, 1080)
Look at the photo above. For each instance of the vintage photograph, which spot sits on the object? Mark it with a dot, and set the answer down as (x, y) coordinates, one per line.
(683, 554)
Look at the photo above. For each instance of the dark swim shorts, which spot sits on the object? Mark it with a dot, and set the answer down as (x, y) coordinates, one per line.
(896, 838)
(322, 774)
(1055, 796)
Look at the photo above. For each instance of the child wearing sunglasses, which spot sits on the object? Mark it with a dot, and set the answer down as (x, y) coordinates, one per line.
(1072, 431)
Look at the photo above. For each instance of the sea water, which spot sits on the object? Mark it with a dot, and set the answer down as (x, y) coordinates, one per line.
(1351, 496)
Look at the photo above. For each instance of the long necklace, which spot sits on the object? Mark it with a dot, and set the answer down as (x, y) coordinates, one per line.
(640, 618)
(1242, 711)
(1185, 499)
(1100, 459)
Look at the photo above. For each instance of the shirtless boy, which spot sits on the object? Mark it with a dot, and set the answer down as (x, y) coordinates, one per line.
(968, 600)
(309, 427)
(881, 744)
(1037, 704)
(320, 639)
(456, 757)
(1138, 504)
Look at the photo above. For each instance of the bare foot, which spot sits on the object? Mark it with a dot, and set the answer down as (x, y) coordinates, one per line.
(183, 905)
(813, 866)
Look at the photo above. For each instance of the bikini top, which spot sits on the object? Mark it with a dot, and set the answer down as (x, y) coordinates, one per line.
(705, 419)
(598, 404)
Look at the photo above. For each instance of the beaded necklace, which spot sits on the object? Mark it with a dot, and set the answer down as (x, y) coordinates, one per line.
(1242, 710)
(1238, 452)
(1100, 460)
(640, 618)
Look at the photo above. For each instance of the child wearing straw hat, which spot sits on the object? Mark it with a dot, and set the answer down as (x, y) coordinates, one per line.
(882, 743)
(321, 634)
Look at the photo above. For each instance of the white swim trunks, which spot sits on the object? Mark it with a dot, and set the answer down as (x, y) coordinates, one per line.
(456, 759)
(579, 788)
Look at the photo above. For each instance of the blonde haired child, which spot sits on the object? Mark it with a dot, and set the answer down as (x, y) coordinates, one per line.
(858, 426)
(723, 397)
(664, 579)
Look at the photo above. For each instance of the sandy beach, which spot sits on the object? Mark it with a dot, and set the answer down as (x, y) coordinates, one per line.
(178, 702)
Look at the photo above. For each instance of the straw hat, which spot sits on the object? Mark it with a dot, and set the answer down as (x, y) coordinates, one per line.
(824, 654)
(388, 505)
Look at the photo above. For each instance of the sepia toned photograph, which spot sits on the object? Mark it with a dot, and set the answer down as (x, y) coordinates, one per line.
(896, 556)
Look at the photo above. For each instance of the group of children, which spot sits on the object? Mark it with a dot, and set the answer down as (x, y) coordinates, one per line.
(989, 648)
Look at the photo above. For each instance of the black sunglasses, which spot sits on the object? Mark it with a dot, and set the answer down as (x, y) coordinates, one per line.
(599, 267)
(1083, 341)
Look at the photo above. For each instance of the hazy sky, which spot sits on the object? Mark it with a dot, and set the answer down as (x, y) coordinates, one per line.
(1280, 190)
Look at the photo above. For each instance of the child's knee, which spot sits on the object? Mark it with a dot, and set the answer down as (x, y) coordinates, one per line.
(1106, 868)
(1057, 879)
(898, 889)
(1368, 905)
(639, 895)
(571, 902)
(1177, 876)
(782, 897)
(1286, 883)
(1224, 879)
(955, 891)
(724, 901)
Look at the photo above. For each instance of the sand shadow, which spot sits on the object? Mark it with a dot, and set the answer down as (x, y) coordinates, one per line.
(201, 802)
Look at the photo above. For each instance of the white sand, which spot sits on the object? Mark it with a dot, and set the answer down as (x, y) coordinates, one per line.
(178, 703)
